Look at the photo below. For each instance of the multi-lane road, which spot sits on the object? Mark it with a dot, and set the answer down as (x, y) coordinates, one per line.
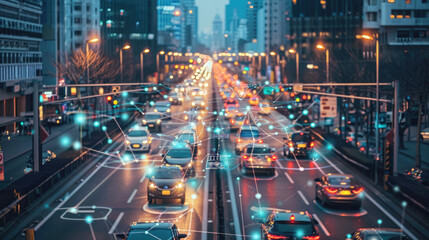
(112, 195)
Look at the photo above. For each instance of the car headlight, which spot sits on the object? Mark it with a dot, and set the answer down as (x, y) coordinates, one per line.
(179, 185)
(144, 121)
(59, 117)
(152, 185)
(158, 121)
(145, 141)
(193, 93)
(155, 110)
(201, 93)
(193, 103)
(168, 110)
(171, 99)
(203, 103)
(189, 164)
(180, 99)
(127, 142)
(182, 89)
(186, 117)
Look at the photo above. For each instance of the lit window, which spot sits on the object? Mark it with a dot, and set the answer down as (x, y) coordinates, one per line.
(407, 1)
(391, 1)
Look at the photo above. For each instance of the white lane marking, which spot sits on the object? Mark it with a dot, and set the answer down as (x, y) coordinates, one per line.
(322, 226)
(318, 168)
(237, 229)
(289, 178)
(303, 197)
(115, 224)
(143, 177)
(132, 196)
(391, 217)
(379, 207)
(38, 226)
(329, 162)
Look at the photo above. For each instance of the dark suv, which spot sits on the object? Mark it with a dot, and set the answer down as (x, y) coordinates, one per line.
(299, 144)
(166, 182)
(152, 231)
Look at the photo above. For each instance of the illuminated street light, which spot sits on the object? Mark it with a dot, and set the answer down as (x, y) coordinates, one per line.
(273, 53)
(125, 47)
(147, 50)
(321, 47)
(293, 51)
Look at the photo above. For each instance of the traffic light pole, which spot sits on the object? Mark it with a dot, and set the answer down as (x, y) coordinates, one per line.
(37, 163)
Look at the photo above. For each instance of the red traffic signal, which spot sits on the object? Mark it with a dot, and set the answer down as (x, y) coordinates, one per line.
(109, 98)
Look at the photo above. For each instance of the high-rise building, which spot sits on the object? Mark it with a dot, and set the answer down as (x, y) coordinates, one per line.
(253, 8)
(218, 36)
(277, 25)
(235, 12)
(399, 23)
(132, 22)
(333, 22)
(257, 44)
(190, 21)
(20, 57)
(169, 24)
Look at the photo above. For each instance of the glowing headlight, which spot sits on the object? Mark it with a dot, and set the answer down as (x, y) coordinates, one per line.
(193, 93)
(145, 141)
(189, 164)
(127, 142)
(155, 110)
(193, 103)
(179, 185)
(144, 121)
(186, 117)
(59, 117)
(152, 185)
(203, 103)
(201, 93)
(180, 99)
(171, 99)
(182, 89)
(168, 110)
(199, 118)
(158, 121)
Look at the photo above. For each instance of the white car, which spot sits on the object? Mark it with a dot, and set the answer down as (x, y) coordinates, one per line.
(138, 140)
(246, 135)
(198, 102)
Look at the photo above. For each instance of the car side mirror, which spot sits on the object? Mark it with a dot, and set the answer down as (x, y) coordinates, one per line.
(182, 235)
(120, 235)
(317, 180)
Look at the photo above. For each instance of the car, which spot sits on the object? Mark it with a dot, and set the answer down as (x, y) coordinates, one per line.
(175, 98)
(166, 182)
(289, 225)
(377, 234)
(189, 136)
(237, 121)
(196, 91)
(180, 154)
(164, 108)
(254, 101)
(152, 231)
(246, 134)
(338, 189)
(153, 120)
(138, 139)
(350, 138)
(258, 156)
(265, 108)
(424, 134)
(231, 113)
(299, 144)
(198, 102)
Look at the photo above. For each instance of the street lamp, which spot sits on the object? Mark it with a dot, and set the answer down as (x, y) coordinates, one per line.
(141, 63)
(320, 46)
(377, 79)
(293, 51)
(157, 65)
(93, 40)
(125, 47)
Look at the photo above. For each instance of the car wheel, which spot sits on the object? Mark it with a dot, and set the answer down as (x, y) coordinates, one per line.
(182, 200)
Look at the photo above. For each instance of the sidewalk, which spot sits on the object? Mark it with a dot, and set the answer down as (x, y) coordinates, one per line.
(407, 156)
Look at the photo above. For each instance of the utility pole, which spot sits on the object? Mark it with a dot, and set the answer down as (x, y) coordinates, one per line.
(37, 144)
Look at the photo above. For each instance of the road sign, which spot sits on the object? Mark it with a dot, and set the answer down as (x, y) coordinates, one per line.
(328, 107)
(297, 87)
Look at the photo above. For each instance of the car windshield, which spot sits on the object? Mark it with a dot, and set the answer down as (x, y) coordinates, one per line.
(296, 228)
(257, 150)
(179, 153)
(152, 116)
(188, 137)
(152, 234)
(163, 105)
(167, 173)
(198, 99)
(137, 134)
(249, 133)
(240, 118)
(297, 137)
(341, 180)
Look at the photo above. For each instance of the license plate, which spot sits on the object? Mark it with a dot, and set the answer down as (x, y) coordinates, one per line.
(165, 192)
(136, 145)
(345, 192)
(151, 125)
(302, 145)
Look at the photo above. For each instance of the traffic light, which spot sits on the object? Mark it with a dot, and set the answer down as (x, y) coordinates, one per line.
(109, 99)
(115, 103)
(292, 94)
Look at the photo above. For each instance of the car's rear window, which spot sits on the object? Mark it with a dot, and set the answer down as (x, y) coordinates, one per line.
(385, 236)
(137, 134)
(258, 150)
(152, 116)
(341, 180)
(296, 228)
(189, 137)
(249, 133)
(179, 153)
(297, 137)
(240, 118)
(152, 234)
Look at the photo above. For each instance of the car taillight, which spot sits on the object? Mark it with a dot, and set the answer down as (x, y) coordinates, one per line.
(260, 141)
(239, 140)
(311, 237)
(357, 191)
(247, 121)
(245, 157)
(290, 144)
(312, 144)
(331, 190)
(274, 157)
(250, 159)
(273, 236)
(232, 121)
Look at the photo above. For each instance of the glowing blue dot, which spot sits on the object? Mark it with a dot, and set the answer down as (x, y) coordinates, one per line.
(221, 113)
(217, 130)
(155, 88)
(396, 189)
(46, 205)
(291, 116)
(151, 103)
(146, 89)
(329, 147)
(310, 183)
(143, 156)
(404, 204)
(349, 236)
(65, 141)
(300, 233)
(127, 158)
(96, 123)
(109, 141)
(256, 236)
(270, 127)
(267, 82)
(276, 133)
(379, 221)
(88, 219)
(125, 94)
(258, 196)
(248, 108)
(343, 118)
(305, 112)
(125, 116)
(104, 128)
(209, 129)
(165, 96)
(80, 118)
(132, 103)
(73, 210)
(258, 124)
(289, 106)
(77, 145)
(215, 113)
(313, 125)
(238, 178)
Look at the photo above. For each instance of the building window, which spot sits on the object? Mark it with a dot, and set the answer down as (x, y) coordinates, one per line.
(78, 7)
(419, 34)
(372, 2)
(391, 1)
(77, 20)
(424, 1)
(88, 20)
(88, 7)
(403, 34)
(78, 33)
(400, 14)
(407, 1)
(371, 16)
(420, 14)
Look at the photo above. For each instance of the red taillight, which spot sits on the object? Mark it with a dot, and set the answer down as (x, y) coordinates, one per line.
(250, 159)
(274, 157)
(272, 236)
(357, 191)
(232, 121)
(311, 237)
(362, 149)
(312, 144)
(239, 140)
(260, 141)
(331, 190)
(292, 218)
(245, 157)
(290, 144)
